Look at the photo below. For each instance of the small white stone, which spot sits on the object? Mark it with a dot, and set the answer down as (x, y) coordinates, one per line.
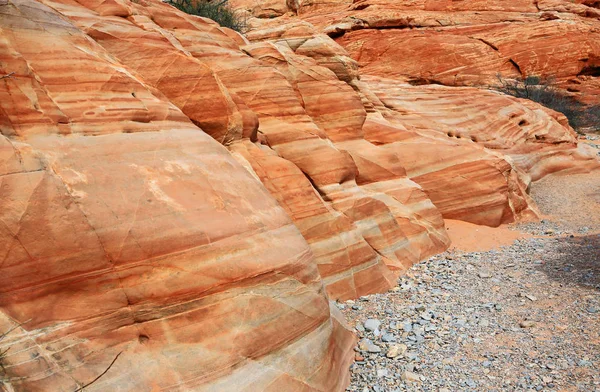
(410, 377)
(396, 350)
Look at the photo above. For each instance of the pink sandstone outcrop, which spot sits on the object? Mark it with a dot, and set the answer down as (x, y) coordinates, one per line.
(191, 198)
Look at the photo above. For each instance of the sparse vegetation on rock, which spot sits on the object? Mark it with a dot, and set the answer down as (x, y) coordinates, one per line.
(219, 11)
(544, 91)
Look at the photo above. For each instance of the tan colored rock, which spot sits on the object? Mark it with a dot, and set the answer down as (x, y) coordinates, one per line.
(411, 377)
(396, 350)
(527, 324)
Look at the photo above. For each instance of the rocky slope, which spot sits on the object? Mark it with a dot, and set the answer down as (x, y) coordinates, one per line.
(190, 198)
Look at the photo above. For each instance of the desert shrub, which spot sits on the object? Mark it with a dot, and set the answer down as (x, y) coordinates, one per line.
(4, 352)
(217, 10)
(545, 92)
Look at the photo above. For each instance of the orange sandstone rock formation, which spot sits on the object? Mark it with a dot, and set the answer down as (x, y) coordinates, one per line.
(538, 141)
(190, 197)
(463, 43)
(464, 180)
(126, 229)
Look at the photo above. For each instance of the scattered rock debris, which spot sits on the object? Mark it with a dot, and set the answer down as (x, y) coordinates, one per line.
(531, 322)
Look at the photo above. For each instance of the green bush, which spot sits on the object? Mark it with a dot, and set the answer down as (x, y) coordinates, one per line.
(545, 92)
(217, 10)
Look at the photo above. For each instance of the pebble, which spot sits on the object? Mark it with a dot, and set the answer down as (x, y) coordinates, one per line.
(372, 325)
(412, 356)
(468, 333)
(526, 324)
(368, 346)
(410, 377)
(531, 297)
(388, 337)
(396, 350)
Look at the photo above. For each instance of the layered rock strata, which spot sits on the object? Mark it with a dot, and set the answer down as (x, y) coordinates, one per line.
(191, 198)
(127, 229)
(459, 43)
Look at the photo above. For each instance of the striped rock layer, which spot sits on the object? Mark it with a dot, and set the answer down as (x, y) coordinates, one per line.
(466, 43)
(187, 200)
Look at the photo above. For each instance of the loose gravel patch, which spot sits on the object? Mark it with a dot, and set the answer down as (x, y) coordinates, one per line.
(524, 317)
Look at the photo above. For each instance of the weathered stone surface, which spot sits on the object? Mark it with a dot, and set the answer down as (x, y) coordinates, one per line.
(538, 140)
(504, 197)
(538, 143)
(476, 55)
(261, 9)
(389, 236)
(468, 43)
(348, 264)
(147, 239)
(185, 195)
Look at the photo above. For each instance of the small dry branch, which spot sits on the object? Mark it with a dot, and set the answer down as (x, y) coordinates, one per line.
(2, 336)
(100, 375)
(7, 76)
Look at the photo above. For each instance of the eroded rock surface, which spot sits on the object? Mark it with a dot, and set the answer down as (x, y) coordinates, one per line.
(463, 43)
(126, 229)
(190, 197)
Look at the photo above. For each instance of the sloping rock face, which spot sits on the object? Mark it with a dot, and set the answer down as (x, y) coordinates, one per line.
(124, 228)
(537, 140)
(362, 237)
(191, 198)
(466, 43)
(475, 163)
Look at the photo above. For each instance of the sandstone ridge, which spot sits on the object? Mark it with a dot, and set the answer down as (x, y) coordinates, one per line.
(191, 198)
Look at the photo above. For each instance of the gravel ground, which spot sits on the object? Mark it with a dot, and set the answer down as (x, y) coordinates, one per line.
(524, 317)
(571, 204)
